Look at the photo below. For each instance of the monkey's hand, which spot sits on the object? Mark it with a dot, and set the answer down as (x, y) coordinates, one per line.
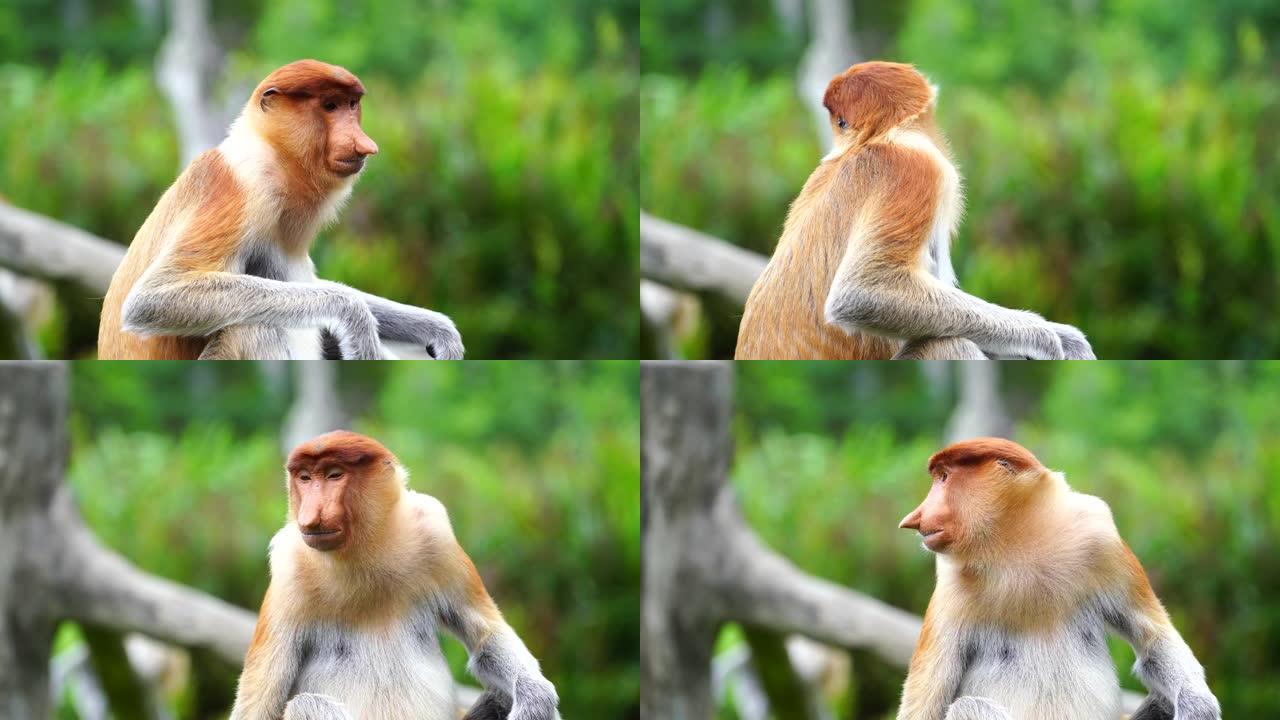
(441, 336)
(426, 328)
(1074, 344)
(405, 323)
(534, 698)
(1196, 705)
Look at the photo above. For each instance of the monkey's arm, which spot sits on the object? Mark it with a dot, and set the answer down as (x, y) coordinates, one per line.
(933, 678)
(1165, 663)
(270, 669)
(881, 287)
(406, 323)
(168, 301)
(515, 688)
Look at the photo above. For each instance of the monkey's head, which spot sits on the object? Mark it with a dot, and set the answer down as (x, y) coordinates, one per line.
(341, 484)
(310, 111)
(871, 98)
(980, 488)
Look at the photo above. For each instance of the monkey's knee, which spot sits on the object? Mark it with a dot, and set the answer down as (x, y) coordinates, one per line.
(1155, 707)
(247, 342)
(492, 705)
(976, 708)
(949, 348)
(310, 706)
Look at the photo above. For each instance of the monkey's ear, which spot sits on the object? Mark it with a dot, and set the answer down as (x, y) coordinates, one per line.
(262, 102)
(1006, 465)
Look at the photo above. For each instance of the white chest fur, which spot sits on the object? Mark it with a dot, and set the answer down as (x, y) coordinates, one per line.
(1066, 674)
(412, 679)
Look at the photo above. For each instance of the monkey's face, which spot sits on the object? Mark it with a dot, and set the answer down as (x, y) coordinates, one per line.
(871, 98)
(338, 481)
(964, 506)
(311, 111)
(346, 144)
(318, 498)
(935, 518)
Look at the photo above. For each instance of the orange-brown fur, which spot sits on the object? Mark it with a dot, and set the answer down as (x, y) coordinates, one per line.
(208, 203)
(200, 224)
(397, 556)
(997, 506)
(1020, 554)
(379, 571)
(873, 191)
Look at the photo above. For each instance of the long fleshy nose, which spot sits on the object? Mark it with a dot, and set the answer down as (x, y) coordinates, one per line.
(365, 145)
(912, 520)
(310, 516)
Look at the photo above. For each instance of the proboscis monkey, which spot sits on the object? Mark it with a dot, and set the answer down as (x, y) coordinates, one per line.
(363, 576)
(863, 268)
(221, 268)
(1031, 575)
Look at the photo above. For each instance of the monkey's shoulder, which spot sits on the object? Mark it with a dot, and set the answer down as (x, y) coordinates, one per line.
(209, 176)
(1089, 518)
(429, 515)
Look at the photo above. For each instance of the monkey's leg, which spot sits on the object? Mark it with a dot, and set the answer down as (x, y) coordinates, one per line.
(492, 705)
(1155, 707)
(247, 342)
(310, 706)
(976, 708)
(948, 348)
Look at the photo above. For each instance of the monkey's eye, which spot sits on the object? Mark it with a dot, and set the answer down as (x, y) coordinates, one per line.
(354, 103)
(330, 106)
(844, 125)
(304, 478)
(335, 475)
(942, 477)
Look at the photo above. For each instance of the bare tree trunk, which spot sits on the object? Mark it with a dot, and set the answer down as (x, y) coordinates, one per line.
(53, 569)
(317, 407)
(979, 411)
(703, 566)
(188, 63)
(831, 50)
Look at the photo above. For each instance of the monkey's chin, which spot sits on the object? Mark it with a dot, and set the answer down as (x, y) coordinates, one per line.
(325, 541)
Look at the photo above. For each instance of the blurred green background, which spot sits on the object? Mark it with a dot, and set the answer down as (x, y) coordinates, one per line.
(178, 466)
(1121, 158)
(830, 456)
(504, 193)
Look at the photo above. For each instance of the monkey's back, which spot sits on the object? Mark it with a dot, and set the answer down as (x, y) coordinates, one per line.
(207, 176)
(784, 315)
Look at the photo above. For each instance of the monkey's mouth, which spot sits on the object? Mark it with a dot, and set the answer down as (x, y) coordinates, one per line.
(322, 539)
(933, 540)
(348, 166)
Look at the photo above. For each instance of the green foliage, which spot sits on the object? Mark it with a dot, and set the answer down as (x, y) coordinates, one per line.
(1123, 156)
(538, 464)
(504, 193)
(1183, 453)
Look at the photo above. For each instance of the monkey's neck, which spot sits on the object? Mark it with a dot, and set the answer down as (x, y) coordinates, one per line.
(290, 198)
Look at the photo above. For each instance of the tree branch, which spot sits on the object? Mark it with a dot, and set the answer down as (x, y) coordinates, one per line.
(38, 246)
(770, 591)
(684, 258)
(97, 585)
